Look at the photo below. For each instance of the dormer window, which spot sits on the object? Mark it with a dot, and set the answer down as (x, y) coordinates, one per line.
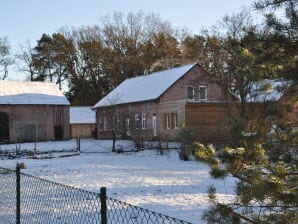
(190, 93)
(203, 92)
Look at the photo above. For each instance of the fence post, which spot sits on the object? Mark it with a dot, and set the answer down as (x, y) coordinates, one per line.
(18, 194)
(103, 205)
(79, 145)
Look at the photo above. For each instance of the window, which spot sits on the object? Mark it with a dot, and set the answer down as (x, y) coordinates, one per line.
(154, 124)
(203, 93)
(174, 120)
(167, 121)
(137, 117)
(100, 124)
(190, 93)
(105, 124)
(118, 124)
(170, 121)
(137, 121)
(128, 126)
(114, 122)
(143, 121)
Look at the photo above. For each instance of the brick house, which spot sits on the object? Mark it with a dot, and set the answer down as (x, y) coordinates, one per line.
(157, 104)
(82, 122)
(32, 111)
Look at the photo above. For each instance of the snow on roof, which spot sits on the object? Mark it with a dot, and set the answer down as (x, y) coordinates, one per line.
(81, 115)
(268, 90)
(26, 93)
(145, 87)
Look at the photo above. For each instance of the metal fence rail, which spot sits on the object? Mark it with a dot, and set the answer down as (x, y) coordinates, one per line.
(26, 199)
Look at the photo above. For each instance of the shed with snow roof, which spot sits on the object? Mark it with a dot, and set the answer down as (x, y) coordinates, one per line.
(32, 111)
(82, 122)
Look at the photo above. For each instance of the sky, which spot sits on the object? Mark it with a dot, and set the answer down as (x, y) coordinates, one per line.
(22, 20)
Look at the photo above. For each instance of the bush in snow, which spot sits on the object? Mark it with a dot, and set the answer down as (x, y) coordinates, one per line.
(186, 138)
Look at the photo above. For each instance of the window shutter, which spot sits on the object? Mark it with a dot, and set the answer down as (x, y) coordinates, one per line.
(165, 121)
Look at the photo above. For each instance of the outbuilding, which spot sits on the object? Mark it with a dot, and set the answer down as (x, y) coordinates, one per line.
(32, 111)
(82, 122)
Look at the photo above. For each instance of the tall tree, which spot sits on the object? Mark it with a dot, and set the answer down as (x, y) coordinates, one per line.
(164, 51)
(88, 82)
(193, 47)
(5, 58)
(53, 58)
(95, 59)
(63, 57)
(122, 46)
(25, 61)
(133, 43)
(281, 31)
(233, 57)
(42, 58)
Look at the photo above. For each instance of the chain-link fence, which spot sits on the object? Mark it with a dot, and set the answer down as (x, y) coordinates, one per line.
(7, 196)
(121, 212)
(26, 199)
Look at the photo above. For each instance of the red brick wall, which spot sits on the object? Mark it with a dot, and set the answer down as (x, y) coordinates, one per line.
(42, 117)
(196, 77)
(172, 101)
(123, 111)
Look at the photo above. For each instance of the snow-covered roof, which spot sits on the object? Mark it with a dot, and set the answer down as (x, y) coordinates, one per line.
(268, 90)
(145, 87)
(25, 93)
(81, 115)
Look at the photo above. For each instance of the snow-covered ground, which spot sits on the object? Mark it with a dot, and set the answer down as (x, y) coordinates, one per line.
(161, 183)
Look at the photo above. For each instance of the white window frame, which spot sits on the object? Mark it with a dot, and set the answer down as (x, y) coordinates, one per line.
(114, 119)
(168, 121)
(143, 121)
(154, 125)
(128, 126)
(175, 120)
(137, 121)
(137, 117)
(201, 87)
(118, 124)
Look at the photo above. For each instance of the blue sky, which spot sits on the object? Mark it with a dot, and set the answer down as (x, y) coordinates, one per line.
(22, 20)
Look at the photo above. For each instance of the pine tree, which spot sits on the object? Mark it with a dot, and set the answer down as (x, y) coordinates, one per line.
(266, 176)
(266, 172)
(281, 31)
